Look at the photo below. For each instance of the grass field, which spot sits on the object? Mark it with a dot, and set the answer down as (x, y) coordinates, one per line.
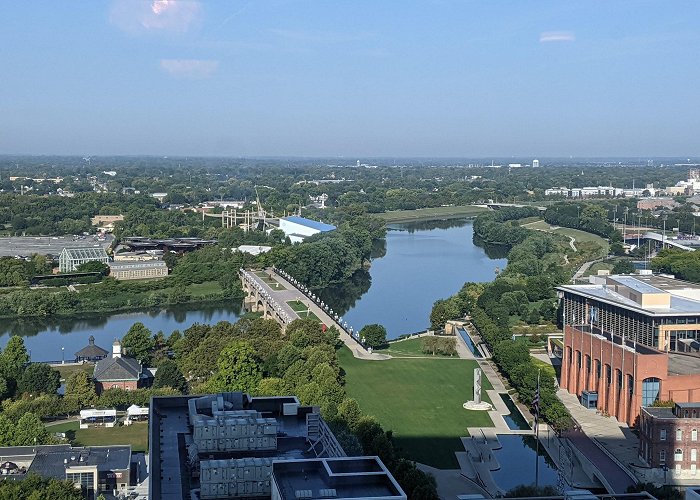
(68, 370)
(407, 348)
(420, 400)
(422, 214)
(274, 284)
(136, 435)
(579, 236)
(300, 308)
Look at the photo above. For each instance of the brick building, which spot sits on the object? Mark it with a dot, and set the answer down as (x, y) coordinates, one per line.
(668, 438)
(120, 372)
(631, 340)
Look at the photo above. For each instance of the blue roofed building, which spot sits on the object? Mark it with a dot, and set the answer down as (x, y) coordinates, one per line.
(297, 228)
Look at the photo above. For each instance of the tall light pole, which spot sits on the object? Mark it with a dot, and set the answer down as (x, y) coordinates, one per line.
(639, 227)
(663, 235)
(63, 357)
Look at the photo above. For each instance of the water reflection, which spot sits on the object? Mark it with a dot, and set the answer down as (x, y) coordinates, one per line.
(44, 337)
(344, 296)
(492, 251)
(424, 261)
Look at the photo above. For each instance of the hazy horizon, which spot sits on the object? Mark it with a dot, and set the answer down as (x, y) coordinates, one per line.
(351, 80)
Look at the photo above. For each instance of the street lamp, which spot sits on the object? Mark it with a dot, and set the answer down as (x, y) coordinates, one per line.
(663, 235)
(63, 358)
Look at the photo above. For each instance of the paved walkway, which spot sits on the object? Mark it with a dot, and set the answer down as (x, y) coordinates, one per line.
(291, 294)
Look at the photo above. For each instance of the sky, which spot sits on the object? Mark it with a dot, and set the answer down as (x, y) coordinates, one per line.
(357, 78)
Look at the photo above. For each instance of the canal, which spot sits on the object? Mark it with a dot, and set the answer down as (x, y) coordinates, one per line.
(419, 263)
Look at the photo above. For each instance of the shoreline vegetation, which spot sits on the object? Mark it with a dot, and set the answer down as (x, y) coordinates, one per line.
(428, 214)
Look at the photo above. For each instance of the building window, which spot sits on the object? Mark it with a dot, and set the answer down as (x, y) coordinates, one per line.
(588, 363)
(85, 479)
(662, 435)
(650, 390)
(630, 384)
(578, 359)
(662, 456)
(678, 455)
(679, 435)
(694, 435)
(597, 368)
(608, 374)
(693, 455)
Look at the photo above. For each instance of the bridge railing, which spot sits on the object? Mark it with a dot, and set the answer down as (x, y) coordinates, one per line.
(248, 277)
(343, 325)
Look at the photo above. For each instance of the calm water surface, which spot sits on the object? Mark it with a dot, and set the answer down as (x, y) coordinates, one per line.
(424, 262)
(420, 263)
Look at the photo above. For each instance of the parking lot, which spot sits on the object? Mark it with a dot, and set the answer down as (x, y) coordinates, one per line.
(47, 245)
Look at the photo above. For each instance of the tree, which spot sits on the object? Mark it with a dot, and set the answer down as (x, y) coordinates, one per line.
(239, 369)
(374, 335)
(39, 378)
(169, 375)
(623, 267)
(30, 430)
(93, 266)
(349, 411)
(138, 343)
(443, 311)
(80, 387)
(7, 431)
(13, 360)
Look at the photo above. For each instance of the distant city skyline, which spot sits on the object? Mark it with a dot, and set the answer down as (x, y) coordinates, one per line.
(361, 79)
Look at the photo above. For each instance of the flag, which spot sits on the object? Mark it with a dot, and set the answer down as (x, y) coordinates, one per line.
(536, 403)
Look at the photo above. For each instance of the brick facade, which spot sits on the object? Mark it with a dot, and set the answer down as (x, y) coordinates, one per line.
(666, 439)
(128, 385)
(591, 362)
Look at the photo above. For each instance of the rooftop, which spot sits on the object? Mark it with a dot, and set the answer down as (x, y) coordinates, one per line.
(91, 350)
(85, 253)
(320, 226)
(137, 265)
(53, 460)
(652, 295)
(188, 460)
(120, 368)
(339, 478)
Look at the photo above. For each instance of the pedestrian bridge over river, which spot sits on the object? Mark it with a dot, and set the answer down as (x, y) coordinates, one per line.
(271, 291)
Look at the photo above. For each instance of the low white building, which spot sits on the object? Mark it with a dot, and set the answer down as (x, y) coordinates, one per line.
(297, 228)
(98, 418)
(254, 249)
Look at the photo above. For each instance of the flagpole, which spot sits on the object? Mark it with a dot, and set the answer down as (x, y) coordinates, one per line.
(537, 432)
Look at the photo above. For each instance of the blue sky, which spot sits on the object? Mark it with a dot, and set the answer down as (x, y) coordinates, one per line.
(350, 78)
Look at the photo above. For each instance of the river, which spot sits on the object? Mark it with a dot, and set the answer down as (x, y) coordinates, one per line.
(419, 263)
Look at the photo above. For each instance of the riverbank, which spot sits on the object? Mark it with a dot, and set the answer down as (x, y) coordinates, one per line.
(435, 213)
(100, 298)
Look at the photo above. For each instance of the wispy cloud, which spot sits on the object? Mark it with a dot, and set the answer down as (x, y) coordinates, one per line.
(557, 36)
(140, 16)
(195, 69)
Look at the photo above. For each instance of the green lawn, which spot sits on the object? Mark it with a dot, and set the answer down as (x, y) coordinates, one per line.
(68, 370)
(300, 308)
(409, 348)
(136, 435)
(580, 236)
(422, 214)
(420, 400)
(274, 284)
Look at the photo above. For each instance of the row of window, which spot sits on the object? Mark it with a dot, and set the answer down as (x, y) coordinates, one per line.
(679, 435)
(678, 455)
